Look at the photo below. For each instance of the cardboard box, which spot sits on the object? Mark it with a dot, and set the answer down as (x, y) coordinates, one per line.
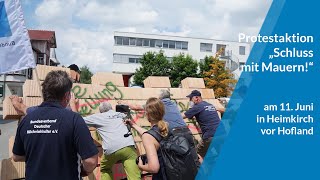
(10, 147)
(12, 170)
(140, 148)
(32, 88)
(191, 83)
(43, 70)
(157, 82)
(82, 91)
(181, 93)
(10, 113)
(102, 78)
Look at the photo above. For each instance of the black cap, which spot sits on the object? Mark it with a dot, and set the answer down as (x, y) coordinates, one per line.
(194, 93)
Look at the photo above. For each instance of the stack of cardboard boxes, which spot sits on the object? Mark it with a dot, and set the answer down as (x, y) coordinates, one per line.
(110, 87)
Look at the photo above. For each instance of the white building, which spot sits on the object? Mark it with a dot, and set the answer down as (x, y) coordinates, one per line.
(129, 47)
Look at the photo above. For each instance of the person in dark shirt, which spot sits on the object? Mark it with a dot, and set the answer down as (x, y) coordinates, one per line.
(55, 142)
(173, 117)
(207, 117)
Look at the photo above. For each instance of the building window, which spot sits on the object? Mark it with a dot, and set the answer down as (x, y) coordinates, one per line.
(139, 42)
(221, 47)
(178, 45)
(242, 50)
(40, 59)
(165, 44)
(172, 45)
(241, 64)
(118, 40)
(205, 47)
(185, 45)
(126, 58)
(152, 43)
(134, 60)
(125, 41)
(146, 42)
(1, 90)
(132, 41)
(159, 43)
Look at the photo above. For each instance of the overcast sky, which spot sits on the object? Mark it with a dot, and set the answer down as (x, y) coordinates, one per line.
(84, 28)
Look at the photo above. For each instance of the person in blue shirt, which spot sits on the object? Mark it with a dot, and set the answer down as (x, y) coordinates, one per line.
(173, 117)
(54, 142)
(207, 117)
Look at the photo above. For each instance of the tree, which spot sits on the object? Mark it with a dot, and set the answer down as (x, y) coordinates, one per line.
(205, 65)
(152, 64)
(86, 74)
(182, 66)
(218, 78)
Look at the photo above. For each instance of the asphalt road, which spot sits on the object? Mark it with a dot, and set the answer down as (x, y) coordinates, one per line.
(8, 128)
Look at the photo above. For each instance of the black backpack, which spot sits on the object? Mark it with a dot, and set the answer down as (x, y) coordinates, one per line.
(176, 154)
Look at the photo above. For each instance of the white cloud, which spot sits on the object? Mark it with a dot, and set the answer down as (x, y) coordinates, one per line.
(84, 28)
(132, 12)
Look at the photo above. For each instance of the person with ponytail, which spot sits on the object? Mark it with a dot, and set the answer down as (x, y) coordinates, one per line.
(155, 111)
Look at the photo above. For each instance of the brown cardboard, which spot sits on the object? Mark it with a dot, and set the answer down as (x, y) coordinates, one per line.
(140, 148)
(10, 147)
(181, 93)
(110, 91)
(43, 70)
(191, 83)
(32, 88)
(101, 78)
(10, 113)
(157, 82)
(82, 91)
(12, 170)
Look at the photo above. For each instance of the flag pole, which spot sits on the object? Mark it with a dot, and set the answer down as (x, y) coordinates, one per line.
(4, 86)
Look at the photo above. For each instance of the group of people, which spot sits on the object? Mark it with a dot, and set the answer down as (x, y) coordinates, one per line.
(55, 142)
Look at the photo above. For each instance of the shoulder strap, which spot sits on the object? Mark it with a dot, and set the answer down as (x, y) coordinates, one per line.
(155, 134)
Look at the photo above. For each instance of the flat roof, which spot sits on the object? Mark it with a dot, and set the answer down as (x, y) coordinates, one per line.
(178, 36)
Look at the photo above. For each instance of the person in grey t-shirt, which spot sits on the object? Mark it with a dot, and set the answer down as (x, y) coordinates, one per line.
(116, 147)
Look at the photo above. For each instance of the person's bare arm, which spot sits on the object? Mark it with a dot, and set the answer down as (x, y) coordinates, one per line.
(90, 164)
(18, 105)
(134, 107)
(74, 103)
(139, 129)
(17, 158)
(221, 110)
(153, 164)
(183, 115)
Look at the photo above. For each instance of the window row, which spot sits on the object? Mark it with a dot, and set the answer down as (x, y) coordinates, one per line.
(207, 47)
(130, 41)
(127, 58)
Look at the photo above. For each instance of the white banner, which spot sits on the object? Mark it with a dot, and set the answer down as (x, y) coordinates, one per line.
(15, 47)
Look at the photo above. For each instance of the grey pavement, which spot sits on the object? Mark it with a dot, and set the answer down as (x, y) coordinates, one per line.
(8, 128)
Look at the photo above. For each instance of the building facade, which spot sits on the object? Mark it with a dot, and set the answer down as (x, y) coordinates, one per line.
(129, 47)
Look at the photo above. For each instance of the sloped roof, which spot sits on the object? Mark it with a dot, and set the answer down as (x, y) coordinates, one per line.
(43, 35)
